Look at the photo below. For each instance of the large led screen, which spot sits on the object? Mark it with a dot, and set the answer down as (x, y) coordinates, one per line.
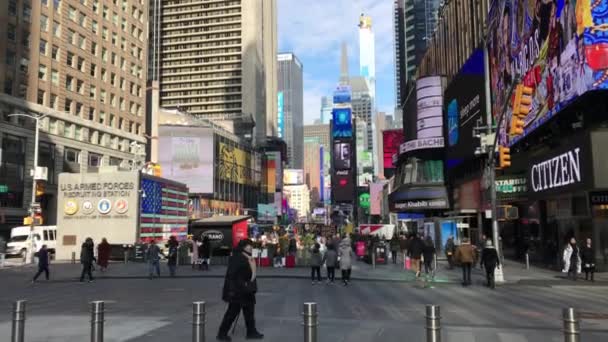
(342, 155)
(184, 155)
(342, 123)
(391, 140)
(558, 48)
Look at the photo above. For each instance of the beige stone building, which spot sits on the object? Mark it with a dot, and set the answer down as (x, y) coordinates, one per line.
(217, 59)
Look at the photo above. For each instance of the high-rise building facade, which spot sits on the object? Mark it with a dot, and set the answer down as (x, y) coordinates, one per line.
(367, 53)
(291, 91)
(327, 105)
(362, 104)
(217, 59)
(80, 68)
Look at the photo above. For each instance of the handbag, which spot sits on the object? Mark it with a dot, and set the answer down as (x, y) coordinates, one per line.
(250, 287)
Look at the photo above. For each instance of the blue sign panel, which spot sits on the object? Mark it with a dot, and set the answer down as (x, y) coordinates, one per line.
(342, 95)
(342, 123)
(280, 114)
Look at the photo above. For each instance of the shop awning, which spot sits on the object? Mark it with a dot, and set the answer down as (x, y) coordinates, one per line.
(412, 198)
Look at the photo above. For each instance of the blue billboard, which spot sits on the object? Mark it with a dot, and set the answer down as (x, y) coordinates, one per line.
(342, 123)
(280, 115)
(342, 94)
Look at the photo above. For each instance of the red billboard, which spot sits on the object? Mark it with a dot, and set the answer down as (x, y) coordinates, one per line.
(391, 140)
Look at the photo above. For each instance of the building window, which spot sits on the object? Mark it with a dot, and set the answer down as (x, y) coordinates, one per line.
(82, 42)
(82, 20)
(69, 83)
(95, 159)
(12, 7)
(81, 65)
(93, 70)
(43, 47)
(46, 158)
(44, 22)
(93, 92)
(42, 72)
(68, 106)
(91, 116)
(40, 99)
(94, 26)
(55, 53)
(8, 86)
(10, 57)
(12, 170)
(10, 32)
(54, 101)
(26, 40)
(105, 13)
(102, 117)
(70, 59)
(115, 161)
(56, 29)
(102, 96)
(112, 120)
(94, 48)
(78, 109)
(80, 86)
(27, 12)
(72, 155)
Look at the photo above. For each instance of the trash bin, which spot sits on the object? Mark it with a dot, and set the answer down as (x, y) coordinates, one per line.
(381, 253)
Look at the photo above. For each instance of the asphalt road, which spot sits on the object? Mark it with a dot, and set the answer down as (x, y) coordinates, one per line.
(366, 311)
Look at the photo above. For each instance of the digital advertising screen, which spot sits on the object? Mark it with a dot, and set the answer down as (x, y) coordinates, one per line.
(391, 140)
(342, 123)
(558, 48)
(342, 95)
(342, 155)
(429, 100)
(343, 186)
(280, 114)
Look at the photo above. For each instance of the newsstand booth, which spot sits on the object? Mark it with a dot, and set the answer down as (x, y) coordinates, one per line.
(224, 232)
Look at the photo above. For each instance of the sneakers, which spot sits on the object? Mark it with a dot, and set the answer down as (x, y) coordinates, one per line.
(223, 338)
(255, 336)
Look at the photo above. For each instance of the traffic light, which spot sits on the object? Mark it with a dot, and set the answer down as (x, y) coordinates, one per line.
(40, 188)
(504, 157)
(517, 125)
(156, 170)
(522, 101)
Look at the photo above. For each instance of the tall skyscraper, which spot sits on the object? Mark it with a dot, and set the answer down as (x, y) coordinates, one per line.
(81, 69)
(316, 165)
(217, 60)
(367, 54)
(327, 105)
(414, 24)
(291, 91)
(363, 107)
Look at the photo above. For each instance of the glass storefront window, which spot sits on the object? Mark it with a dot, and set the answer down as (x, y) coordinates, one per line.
(417, 171)
(12, 171)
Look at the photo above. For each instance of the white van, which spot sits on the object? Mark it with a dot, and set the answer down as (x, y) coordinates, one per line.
(19, 242)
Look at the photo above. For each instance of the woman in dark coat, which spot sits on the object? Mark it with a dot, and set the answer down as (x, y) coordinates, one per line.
(103, 254)
(204, 252)
(588, 260)
(429, 254)
(240, 287)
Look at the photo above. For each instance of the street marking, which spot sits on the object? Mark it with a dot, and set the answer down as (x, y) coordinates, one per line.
(510, 337)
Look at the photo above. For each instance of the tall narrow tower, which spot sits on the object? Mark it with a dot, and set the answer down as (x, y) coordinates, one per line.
(344, 64)
(367, 53)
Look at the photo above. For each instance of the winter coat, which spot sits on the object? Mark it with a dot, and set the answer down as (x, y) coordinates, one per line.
(465, 254)
(403, 244)
(567, 256)
(489, 257)
(293, 246)
(238, 286)
(394, 245)
(346, 254)
(316, 259)
(428, 251)
(331, 258)
(204, 251)
(153, 253)
(450, 247)
(194, 251)
(103, 254)
(87, 253)
(587, 256)
(416, 248)
(172, 257)
(43, 258)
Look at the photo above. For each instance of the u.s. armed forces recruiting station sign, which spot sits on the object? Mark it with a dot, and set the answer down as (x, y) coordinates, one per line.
(96, 205)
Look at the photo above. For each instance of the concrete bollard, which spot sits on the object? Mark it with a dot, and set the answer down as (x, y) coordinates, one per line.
(310, 322)
(73, 257)
(433, 323)
(572, 331)
(527, 261)
(18, 327)
(97, 320)
(374, 258)
(198, 321)
(126, 256)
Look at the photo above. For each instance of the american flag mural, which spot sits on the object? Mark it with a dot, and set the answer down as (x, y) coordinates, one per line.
(164, 210)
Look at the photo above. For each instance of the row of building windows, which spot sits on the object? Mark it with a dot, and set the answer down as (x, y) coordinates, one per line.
(198, 61)
(190, 31)
(202, 22)
(189, 55)
(190, 70)
(221, 45)
(234, 74)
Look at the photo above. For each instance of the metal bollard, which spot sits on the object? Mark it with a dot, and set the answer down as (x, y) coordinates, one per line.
(572, 331)
(126, 255)
(73, 257)
(198, 322)
(433, 323)
(18, 328)
(310, 322)
(97, 320)
(527, 261)
(374, 258)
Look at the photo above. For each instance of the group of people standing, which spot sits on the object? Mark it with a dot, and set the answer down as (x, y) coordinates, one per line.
(339, 254)
(576, 259)
(201, 253)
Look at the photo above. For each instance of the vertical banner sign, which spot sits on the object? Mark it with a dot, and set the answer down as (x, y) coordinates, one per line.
(376, 192)
(280, 114)
(321, 175)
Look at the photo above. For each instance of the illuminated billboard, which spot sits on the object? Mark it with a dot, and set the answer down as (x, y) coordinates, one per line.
(343, 186)
(234, 164)
(558, 48)
(342, 94)
(280, 114)
(391, 140)
(184, 155)
(293, 176)
(342, 155)
(376, 198)
(342, 123)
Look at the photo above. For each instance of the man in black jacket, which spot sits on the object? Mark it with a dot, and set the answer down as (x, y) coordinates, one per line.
(239, 291)
(489, 260)
(87, 257)
(43, 263)
(416, 248)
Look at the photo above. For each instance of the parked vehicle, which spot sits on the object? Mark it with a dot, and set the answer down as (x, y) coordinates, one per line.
(20, 242)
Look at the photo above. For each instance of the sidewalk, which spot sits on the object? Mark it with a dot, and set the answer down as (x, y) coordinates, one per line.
(515, 273)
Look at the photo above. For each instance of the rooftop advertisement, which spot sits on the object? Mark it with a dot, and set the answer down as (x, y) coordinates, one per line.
(391, 140)
(342, 123)
(558, 48)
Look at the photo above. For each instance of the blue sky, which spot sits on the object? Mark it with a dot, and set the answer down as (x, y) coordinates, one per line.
(314, 31)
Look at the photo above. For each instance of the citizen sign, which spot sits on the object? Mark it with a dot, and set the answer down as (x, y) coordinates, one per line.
(559, 171)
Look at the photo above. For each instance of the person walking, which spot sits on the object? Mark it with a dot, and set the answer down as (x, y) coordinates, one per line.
(153, 256)
(394, 244)
(489, 261)
(403, 244)
(172, 256)
(205, 253)
(240, 287)
(450, 248)
(43, 263)
(87, 257)
(2, 251)
(194, 247)
(588, 259)
(416, 248)
(429, 255)
(465, 255)
(103, 255)
(346, 259)
(316, 259)
(572, 260)
(331, 260)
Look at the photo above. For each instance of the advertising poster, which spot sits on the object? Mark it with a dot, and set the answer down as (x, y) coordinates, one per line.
(342, 123)
(342, 94)
(429, 96)
(293, 176)
(465, 109)
(391, 140)
(271, 171)
(342, 155)
(185, 158)
(234, 164)
(344, 187)
(376, 198)
(280, 114)
(557, 48)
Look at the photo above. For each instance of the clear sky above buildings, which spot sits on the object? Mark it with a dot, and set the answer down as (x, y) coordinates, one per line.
(314, 31)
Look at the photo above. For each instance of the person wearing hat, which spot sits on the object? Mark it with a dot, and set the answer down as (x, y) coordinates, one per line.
(240, 287)
(489, 261)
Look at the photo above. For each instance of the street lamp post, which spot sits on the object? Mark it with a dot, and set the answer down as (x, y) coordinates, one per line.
(33, 204)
